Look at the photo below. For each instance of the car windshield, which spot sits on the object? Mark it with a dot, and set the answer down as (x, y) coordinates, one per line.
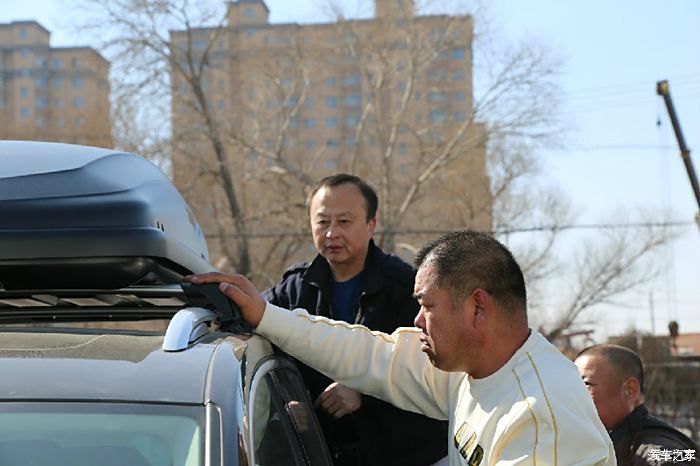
(77, 434)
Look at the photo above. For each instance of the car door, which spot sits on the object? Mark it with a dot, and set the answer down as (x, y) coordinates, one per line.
(283, 426)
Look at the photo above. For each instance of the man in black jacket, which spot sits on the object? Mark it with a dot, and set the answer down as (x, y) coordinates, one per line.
(351, 279)
(615, 378)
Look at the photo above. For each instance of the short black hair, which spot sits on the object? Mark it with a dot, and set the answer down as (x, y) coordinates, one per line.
(368, 192)
(624, 361)
(466, 260)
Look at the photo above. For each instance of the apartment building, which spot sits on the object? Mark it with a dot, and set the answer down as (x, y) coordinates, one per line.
(51, 93)
(388, 98)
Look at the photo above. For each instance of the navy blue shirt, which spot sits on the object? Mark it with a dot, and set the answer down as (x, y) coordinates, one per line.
(345, 298)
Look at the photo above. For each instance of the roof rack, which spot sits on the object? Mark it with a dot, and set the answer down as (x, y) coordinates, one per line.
(190, 308)
(130, 303)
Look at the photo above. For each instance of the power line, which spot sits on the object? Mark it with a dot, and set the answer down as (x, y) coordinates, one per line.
(498, 231)
(633, 147)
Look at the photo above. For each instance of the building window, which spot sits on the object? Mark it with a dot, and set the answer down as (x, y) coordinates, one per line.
(76, 63)
(39, 121)
(458, 53)
(460, 96)
(437, 96)
(57, 83)
(331, 164)
(25, 112)
(310, 144)
(310, 123)
(78, 83)
(353, 100)
(23, 33)
(57, 64)
(250, 32)
(459, 75)
(24, 52)
(221, 104)
(41, 82)
(437, 116)
(79, 121)
(331, 102)
(24, 91)
(58, 102)
(403, 148)
(293, 101)
(293, 122)
(310, 102)
(402, 86)
(350, 141)
(24, 73)
(79, 102)
(330, 82)
(250, 12)
(460, 117)
(437, 75)
(41, 62)
(332, 144)
(42, 102)
(352, 80)
(331, 122)
(352, 120)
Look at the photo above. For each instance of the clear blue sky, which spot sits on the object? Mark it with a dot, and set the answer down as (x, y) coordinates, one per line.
(615, 159)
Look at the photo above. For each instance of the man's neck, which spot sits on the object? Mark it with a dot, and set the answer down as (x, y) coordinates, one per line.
(344, 272)
(498, 355)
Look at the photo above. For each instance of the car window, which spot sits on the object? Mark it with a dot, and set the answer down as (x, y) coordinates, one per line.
(77, 434)
(284, 427)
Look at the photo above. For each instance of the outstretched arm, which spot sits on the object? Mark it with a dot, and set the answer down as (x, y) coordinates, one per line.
(390, 367)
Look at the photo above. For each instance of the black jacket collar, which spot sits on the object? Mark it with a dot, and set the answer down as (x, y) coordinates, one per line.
(630, 424)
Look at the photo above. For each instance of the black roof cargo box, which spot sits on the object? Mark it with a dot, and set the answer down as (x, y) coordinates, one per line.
(82, 217)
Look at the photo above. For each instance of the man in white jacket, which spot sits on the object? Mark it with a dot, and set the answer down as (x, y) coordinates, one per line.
(509, 395)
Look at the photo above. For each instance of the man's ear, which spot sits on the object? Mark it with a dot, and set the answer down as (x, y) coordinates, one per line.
(482, 302)
(371, 225)
(632, 389)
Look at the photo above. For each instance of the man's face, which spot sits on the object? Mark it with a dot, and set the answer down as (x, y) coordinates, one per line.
(447, 339)
(339, 225)
(606, 388)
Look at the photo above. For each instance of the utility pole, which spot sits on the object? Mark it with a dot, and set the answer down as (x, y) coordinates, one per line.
(662, 88)
(651, 310)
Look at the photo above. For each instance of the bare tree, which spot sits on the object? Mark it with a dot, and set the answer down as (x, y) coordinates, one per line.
(608, 267)
(241, 127)
(150, 62)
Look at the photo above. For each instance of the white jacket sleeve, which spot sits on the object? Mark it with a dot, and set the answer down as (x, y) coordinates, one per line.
(390, 367)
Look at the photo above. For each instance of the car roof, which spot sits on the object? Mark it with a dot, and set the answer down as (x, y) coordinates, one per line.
(104, 365)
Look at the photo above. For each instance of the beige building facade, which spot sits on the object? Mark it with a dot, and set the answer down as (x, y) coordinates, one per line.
(388, 98)
(51, 93)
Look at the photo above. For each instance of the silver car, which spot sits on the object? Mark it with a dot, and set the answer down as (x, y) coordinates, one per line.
(93, 246)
